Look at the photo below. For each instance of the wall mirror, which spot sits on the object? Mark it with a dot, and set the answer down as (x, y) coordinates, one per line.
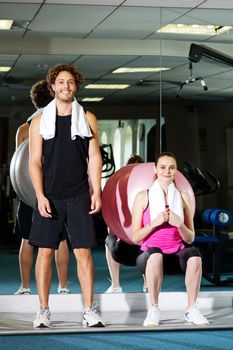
(182, 107)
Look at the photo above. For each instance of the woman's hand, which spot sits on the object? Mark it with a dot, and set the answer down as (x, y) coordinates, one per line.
(174, 219)
(161, 218)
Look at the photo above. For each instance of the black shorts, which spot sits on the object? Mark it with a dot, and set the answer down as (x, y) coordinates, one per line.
(172, 263)
(71, 214)
(23, 221)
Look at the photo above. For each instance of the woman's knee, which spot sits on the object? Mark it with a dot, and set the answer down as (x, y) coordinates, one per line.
(155, 260)
(195, 262)
(144, 261)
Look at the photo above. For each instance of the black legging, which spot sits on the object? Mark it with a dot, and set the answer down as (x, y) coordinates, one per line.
(121, 251)
(183, 255)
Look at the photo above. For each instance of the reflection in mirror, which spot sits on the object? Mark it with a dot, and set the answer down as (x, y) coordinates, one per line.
(109, 41)
(196, 104)
(199, 117)
(196, 125)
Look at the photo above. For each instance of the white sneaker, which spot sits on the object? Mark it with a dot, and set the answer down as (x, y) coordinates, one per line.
(193, 315)
(152, 318)
(42, 319)
(91, 317)
(145, 288)
(112, 289)
(23, 291)
(61, 290)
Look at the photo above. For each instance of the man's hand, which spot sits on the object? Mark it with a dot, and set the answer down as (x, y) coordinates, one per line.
(44, 207)
(95, 204)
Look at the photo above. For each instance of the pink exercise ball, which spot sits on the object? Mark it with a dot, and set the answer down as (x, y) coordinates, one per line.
(120, 191)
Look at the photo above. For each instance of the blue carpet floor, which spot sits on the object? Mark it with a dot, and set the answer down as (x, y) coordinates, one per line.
(201, 340)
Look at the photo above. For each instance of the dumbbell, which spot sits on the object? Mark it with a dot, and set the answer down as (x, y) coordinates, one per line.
(218, 217)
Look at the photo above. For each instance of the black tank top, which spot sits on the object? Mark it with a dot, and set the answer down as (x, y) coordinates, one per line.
(65, 162)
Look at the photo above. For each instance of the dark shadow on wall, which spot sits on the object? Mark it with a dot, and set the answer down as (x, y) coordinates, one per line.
(152, 145)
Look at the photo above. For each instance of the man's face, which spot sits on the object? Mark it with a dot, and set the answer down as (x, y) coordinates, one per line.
(64, 86)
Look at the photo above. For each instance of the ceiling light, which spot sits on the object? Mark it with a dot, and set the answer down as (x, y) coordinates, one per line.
(194, 29)
(5, 24)
(92, 99)
(139, 69)
(107, 86)
(4, 69)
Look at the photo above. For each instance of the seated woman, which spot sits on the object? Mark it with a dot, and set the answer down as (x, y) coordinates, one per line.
(162, 223)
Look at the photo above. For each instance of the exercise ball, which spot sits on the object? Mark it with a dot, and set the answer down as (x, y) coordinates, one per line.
(19, 175)
(120, 191)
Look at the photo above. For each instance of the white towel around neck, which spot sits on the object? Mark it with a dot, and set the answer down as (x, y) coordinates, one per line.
(79, 122)
(33, 115)
(157, 200)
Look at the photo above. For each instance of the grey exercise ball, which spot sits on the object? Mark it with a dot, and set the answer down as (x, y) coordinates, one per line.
(19, 175)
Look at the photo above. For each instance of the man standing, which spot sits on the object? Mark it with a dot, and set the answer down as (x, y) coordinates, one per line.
(40, 97)
(64, 148)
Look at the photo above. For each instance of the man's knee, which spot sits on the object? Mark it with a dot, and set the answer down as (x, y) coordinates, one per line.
(46, 253)
(83, 254)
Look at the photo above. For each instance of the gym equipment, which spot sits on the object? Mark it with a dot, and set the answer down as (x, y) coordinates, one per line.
(108, 167)
(203, 182)
(120, 191)
(19, 175)
(218, 218)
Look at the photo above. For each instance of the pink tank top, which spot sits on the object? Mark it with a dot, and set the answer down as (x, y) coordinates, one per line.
(165, 236)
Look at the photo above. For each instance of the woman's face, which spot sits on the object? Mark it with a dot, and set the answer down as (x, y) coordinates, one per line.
(166, 169)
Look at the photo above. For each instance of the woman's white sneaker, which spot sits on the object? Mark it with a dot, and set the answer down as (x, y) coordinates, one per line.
(193, 315)
(153, 317)
(112, 289)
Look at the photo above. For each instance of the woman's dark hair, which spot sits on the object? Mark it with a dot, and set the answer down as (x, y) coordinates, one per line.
(164, 154)
(134, 159)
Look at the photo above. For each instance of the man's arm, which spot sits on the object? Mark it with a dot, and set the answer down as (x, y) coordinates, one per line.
(21, 134)
(35, 166)
(94, 164)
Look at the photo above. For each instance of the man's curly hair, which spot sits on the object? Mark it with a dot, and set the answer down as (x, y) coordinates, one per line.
(40, 94)
(71, 68)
